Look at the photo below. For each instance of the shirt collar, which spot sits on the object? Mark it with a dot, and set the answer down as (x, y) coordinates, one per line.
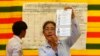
(18, 38)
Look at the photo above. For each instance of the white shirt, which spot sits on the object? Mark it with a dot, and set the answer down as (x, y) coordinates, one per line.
(14, 47)
(63, 45)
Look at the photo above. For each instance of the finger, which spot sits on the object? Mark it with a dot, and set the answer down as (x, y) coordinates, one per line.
(65, 8)
(73, 15)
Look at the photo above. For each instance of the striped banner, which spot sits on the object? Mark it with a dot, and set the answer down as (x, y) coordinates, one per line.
(93, 33)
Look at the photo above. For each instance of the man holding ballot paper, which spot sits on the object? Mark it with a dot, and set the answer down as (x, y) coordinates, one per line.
(63, 28)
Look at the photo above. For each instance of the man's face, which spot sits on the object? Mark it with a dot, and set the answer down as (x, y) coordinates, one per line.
(23, 33)
(49, 32)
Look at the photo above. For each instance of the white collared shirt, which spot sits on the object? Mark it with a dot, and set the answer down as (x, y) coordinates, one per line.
(14, 47)
(63, 45)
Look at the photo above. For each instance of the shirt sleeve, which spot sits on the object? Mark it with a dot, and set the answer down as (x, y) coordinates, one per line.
(75, 34)
(17, 51)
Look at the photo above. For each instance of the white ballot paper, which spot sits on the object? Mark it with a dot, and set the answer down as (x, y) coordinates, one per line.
(63, 22)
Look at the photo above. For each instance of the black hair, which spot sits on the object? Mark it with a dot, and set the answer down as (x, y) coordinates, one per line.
(48, 22)
(18, 27)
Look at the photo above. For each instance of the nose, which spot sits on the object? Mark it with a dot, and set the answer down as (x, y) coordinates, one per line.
(49, 31)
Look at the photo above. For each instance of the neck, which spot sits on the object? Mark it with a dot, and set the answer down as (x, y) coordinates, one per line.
(20, 36)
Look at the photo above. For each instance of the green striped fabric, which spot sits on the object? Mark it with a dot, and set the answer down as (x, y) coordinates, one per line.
(11, 9)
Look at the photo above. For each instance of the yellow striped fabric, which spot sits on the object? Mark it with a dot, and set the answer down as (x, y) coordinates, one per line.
(5, 30)
(73, 52)
(94, 2)
(94, 24)
(93, 29)
(10, 3)
(93, 13)
(85, 52)
(5, 15)
(6, 26)
(10, 14)
(93, 40)
(3, 41)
